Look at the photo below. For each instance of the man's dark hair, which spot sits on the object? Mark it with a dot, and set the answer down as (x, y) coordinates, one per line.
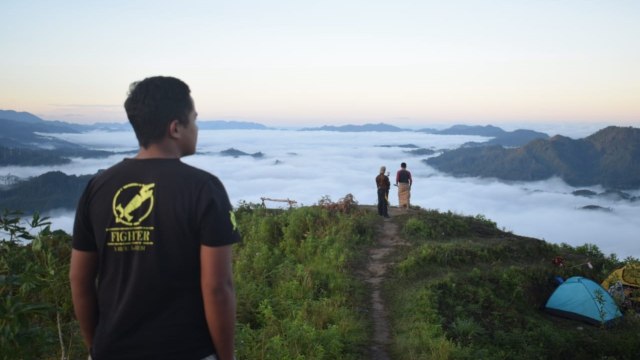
(403, 165)
(153, 103)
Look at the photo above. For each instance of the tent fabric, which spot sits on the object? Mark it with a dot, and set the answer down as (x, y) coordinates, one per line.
(625, 281)
(628, 275)
(583, 299)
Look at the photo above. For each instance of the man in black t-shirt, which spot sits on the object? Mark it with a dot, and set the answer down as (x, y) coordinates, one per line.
(151, 261)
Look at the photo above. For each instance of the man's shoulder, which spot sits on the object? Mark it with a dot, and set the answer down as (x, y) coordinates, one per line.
(103, 173)
(190, 169)
(200, 177)
(196, 176)
(157, 167)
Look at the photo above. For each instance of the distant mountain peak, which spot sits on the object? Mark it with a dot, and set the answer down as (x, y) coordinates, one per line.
(500, 137)
(382, 127)
(21, 116)
(230, 125)
(613, 134)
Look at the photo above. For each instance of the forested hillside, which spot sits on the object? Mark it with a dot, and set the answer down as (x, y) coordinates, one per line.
(52, 190)
(21, 156)
(610, 157)
(24, 141)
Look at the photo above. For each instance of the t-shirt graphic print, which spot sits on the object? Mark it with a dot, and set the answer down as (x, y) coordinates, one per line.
(132, 205)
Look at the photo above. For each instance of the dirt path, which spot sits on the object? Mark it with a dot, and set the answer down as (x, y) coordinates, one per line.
(379, 261)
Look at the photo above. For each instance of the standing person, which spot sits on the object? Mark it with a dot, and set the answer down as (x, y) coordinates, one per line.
(150, 267)
(404, 182)
(383, 184)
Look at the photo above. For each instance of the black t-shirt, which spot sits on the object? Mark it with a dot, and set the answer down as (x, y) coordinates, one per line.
(147, 219)
(403, 176)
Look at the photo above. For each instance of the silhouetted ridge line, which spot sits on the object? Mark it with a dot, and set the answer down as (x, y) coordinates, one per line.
(609, 157)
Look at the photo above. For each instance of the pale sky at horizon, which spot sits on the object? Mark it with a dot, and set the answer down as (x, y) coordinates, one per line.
(331, 62)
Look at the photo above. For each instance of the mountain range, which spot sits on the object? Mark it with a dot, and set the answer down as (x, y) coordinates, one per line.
(499, 136)
(25, 130)
(24, 137)
(514, 138)
(609, 157)
(381, 127)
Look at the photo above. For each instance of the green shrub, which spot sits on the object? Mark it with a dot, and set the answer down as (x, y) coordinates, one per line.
(416, 229)
(36, 314)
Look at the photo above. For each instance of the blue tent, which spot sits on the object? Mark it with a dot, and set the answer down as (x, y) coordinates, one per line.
(582, 299)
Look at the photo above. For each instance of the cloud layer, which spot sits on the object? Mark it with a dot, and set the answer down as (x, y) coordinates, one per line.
(305, 166)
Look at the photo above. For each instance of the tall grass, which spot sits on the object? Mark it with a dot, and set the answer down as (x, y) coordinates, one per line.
(298, 297)
(463, 289)
(297, 294)
(466, 290)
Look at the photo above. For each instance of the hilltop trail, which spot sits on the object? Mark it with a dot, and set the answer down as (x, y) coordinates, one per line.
(388, 240)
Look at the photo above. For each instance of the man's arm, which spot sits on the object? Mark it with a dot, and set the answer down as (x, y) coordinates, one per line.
(216, 281)
(82, 275)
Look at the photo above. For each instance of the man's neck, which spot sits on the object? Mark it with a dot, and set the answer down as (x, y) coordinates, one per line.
(158, 151)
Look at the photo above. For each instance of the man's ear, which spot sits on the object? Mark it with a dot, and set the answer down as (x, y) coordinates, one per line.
(174, 129)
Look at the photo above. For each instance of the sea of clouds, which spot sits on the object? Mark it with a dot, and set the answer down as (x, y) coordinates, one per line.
(306, 165)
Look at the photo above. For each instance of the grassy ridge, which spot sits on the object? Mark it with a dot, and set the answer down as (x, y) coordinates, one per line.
(466, 290)
(463, 289)
(297, 294)
(294, 277)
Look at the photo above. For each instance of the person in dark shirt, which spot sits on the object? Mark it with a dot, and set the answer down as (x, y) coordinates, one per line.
(151, 261)
(404, 182)
(383, 184)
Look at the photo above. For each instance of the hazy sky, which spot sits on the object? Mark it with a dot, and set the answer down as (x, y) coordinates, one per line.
(304, 166)
(330, 61)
